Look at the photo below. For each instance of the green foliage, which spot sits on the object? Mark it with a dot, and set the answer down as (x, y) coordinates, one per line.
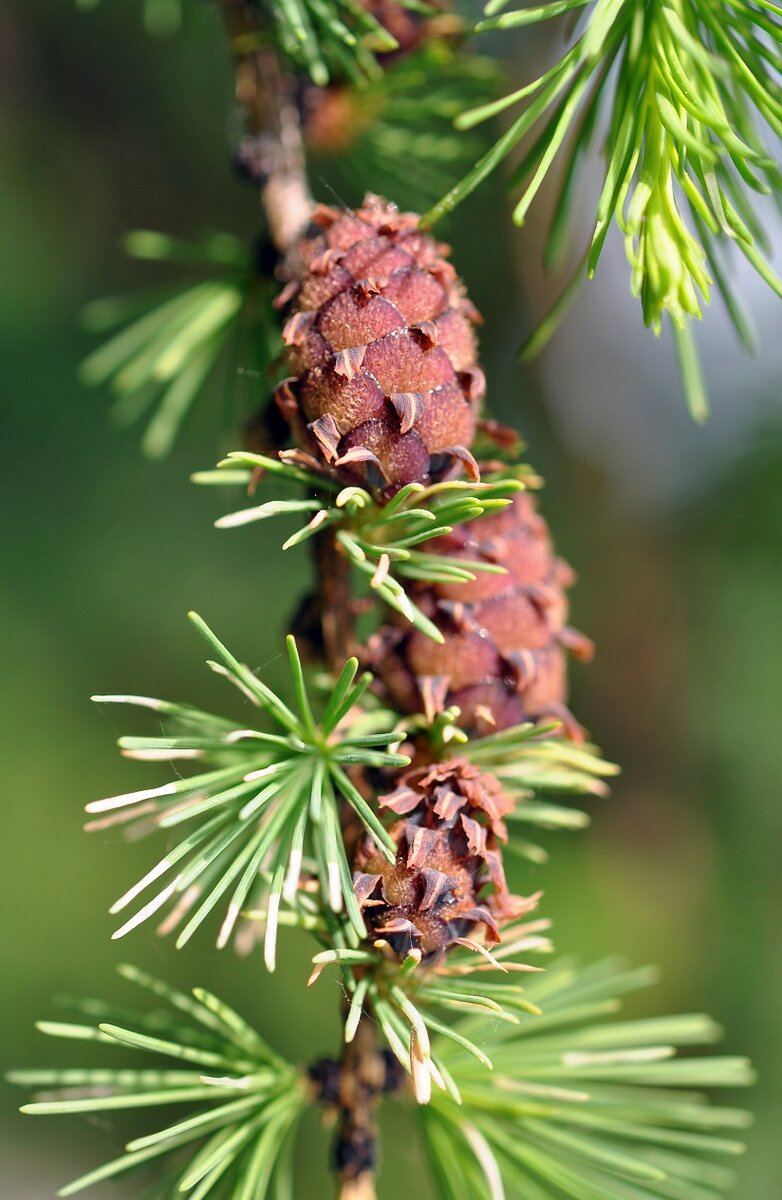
(523, 1091)
(161, 17)
(580, 1107)
(380, 540)
(536, 768)
(335, 37)
(406, 117)
(537, 1092)
(406, 1000)
(535, 764)
(164, 346)
(248, 1100)
(259, 801)
(686, 91)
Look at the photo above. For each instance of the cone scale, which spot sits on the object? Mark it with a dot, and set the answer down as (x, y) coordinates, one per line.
(384, 388)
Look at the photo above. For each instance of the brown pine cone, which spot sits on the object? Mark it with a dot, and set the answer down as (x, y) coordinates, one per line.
(385, 385)
(503, 660)
(448, 881)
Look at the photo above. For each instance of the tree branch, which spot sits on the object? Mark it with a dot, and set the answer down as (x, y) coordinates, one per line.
(362, 1082)
(335, 600)
(271, 154)
(271, 151)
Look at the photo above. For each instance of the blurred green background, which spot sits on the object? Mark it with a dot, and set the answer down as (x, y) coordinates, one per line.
(676, 533)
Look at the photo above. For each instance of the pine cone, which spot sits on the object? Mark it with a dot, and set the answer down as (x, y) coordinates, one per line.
(503, 660)
(385, 385)
(448, 881)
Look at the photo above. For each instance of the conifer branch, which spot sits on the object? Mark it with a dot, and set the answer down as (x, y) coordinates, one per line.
(271, 152)
(374, 809)
(163, 347)
(688, 93)
(362, 1073)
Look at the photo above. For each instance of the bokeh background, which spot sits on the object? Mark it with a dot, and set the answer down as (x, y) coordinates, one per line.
(676, 532)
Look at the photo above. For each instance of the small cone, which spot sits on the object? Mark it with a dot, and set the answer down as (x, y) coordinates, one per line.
(384, 385)
(503, 660)
(447, 881)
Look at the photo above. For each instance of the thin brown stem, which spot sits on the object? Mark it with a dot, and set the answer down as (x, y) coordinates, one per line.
(362, 1079)
(271, 152)
(272, 155)
(335, 600)
(362, 1068)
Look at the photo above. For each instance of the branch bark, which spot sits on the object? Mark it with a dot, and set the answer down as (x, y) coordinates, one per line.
(335, 600)
(271, 151)
(362, 1068)
(362, 1080)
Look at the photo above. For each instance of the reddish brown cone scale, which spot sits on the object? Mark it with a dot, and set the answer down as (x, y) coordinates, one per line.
(384, 386)
(448, 881)
(504, 657)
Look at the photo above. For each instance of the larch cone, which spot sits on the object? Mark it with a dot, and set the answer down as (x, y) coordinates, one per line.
(384, 386)
(503, 659)
(447, 883)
